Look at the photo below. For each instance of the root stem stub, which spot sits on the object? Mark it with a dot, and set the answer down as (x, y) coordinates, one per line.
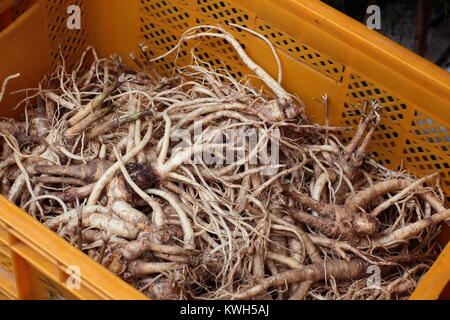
(339, 270)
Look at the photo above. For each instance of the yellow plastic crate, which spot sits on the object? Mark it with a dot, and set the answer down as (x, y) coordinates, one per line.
(322, 52)
(10, 10)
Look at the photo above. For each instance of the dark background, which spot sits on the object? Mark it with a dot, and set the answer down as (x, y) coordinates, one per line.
(422, 26)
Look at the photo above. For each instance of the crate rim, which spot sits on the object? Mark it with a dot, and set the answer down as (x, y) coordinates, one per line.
(395, 54)
(96, 276)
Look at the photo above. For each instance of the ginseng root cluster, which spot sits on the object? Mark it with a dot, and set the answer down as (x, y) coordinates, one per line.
(199, 186)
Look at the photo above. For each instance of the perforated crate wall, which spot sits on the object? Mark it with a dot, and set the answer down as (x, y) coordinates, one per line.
(404, 138)
(300, 51)
(65, 42)
(162, 23)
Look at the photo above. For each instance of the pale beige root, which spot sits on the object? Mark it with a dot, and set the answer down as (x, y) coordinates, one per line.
(157, 213)
(204, 120)
(349, 222)
(284, 108)
(353, 156)
(59, 100)
(189, 237)
(131, 136)
(85, 159)
(58, 180)
(271, 46)
(129, 214)
(259, 255)
(75, 193)
(402, 284)
(70, 229)
(301, 290)
(16, 188)
(342, 246)
(137, 139)
(258, 260)
(27, 181)
(163, 289)
(273, 269)
(21, 179)
(114, 263)
(87, 76)
(5, 82)
(73, 214)
(111, 225)
(101, 246)
(165, 140)
(24, 197)
(90, 119)
(5, 186)
(363, 198)
(141, 268)
(277, 176)
(118, 189)
(93, 104)
(109, 174)
(278, 243)
(153, 242)
(199, 115)
(326, 177)
(182, 155)
(296, 252)
(188, 260)
(310, 249)
(102, 152)
(115, 123)
(136, 61)
(39, 125)
(352, 222)
(97, 237)
(291, 263)
(339, 270)
(433, 201)
(121, 146)
(326, 226)
(118, 197)
(133, 249)
(175, 227)
(408, 190)
(42, 197)
(305, 239)
(411, 230)
(8, 158)
(89, 173)
(12, 131)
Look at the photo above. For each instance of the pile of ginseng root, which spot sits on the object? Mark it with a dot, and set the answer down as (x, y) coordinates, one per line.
(157, 179)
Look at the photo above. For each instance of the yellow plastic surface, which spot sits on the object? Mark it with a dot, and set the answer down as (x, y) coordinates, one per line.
(322, 52)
